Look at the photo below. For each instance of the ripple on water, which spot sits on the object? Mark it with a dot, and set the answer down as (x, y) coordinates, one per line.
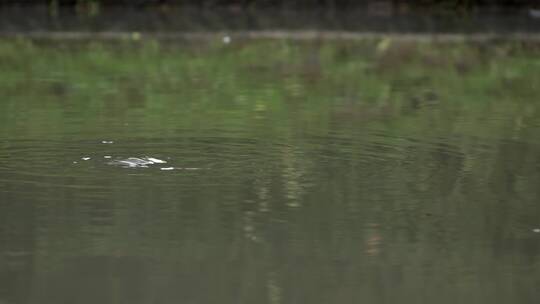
(92, 164)
(195, 162)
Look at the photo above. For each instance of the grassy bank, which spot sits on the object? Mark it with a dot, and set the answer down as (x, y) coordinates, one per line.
(229, 81)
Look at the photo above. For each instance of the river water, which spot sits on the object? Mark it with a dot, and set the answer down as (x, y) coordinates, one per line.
(277, 171)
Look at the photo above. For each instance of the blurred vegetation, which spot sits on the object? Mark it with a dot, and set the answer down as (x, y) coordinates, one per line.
(378, 4)
(371, 77)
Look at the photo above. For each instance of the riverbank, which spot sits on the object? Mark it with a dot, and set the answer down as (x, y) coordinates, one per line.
(227, 37)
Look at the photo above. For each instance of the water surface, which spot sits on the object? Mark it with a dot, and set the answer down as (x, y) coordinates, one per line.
(296, 172)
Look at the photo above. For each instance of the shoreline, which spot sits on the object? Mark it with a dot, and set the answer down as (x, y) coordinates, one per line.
(297, 35)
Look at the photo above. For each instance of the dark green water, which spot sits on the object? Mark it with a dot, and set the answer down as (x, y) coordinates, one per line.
(297, 172)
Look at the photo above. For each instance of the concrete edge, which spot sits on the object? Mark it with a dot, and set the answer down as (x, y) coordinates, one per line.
(229, 36)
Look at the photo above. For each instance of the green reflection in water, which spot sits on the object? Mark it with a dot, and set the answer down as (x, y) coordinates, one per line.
(303, 172)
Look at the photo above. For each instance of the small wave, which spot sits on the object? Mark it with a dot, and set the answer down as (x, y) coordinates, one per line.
(137, 162)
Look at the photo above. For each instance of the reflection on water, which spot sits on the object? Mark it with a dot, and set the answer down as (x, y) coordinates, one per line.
(302, 172)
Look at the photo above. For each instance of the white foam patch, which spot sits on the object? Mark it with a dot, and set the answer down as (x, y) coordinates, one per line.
(86, 158)
(167, 168)
(156, 160)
